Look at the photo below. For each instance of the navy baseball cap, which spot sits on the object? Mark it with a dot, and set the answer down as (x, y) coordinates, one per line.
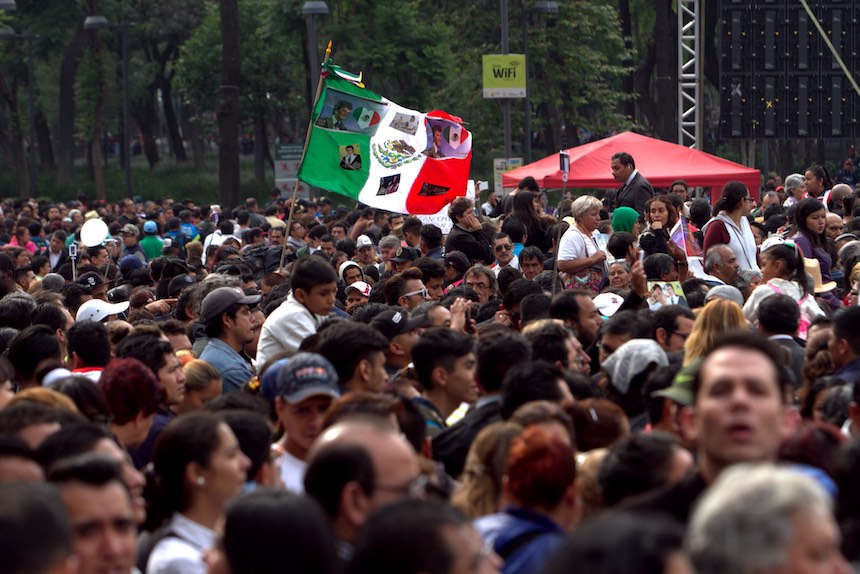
(307, 375)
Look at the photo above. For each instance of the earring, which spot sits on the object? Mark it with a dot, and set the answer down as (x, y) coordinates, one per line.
(200, 481)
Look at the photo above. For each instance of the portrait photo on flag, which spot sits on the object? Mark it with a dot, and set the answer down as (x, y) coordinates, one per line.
(381, 154)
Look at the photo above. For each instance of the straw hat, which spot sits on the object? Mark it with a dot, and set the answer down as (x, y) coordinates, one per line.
(813, 268)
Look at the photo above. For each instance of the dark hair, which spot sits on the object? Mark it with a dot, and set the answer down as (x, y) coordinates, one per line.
(531, 252)
(35, 533)
(88, 398)
(549, 343)
(73, 295)
(700, 212)
(822, 173)
(32, 346)
(670, 208)
(793, 260)
(694, 293)
(732, 195)
(656, 265)
(332, 468)
(565, 306)
(430, 268)
(636, 465)
(778, 315)
(432, 235)
(624, 159)
(131, 389)
(71, 440)
(508, 275)
(90, 341)
(190, 438)
(847, 475)
(805, 208)
(666, 317)
(267, 529)
(534, 307)
(845, 322)
(749, 341)
(529, 183)
(407, 536)
(619, 243)
(92, 469)
(395, 287)
(16, 310)
(254, 437)
(308, 272)
(813, 444)
(49, 314)
(412, 225)
(529, 381)
(496, 353)
(596, 547)
(147, 348)
(440, 347)
(346, 344)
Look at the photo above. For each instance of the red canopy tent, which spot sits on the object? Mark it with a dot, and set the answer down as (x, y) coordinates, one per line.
(661, 162)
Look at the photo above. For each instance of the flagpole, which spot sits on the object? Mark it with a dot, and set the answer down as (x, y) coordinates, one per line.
(304, 151)
(558, 237)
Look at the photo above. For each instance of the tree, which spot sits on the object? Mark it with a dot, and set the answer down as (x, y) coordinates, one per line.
(227, 109)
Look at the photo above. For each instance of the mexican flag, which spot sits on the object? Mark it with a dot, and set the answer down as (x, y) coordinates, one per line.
(386, 156)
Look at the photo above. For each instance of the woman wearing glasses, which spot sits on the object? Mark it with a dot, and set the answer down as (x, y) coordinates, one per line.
(730, 225)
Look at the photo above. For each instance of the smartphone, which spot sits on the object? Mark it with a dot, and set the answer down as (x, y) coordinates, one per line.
(483, 186)
(73, 250)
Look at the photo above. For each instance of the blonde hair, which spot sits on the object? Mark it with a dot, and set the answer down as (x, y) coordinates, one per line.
(45, 396)
(480, 489)
(715, 318)
(199, 374)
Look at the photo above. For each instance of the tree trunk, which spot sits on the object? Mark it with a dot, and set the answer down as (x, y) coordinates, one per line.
(666, 67)
(66, 121)
(145, 117)
(227, 107)
(43, 137)
(171, 121)
(261, 143)
(194, 136)
(16, 136)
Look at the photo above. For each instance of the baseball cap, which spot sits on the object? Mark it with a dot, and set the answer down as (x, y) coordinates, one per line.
(392, 323)
(150, 227)
(681, 389)
(98, 310)
(130, 263)
(91, 280)
(729, 292)
(130, 229)
(307, 375)
(608, 303)
(361, 287)
(363, 241)
(221, 299)
(405, 254)
(457, 260)
(179, 283)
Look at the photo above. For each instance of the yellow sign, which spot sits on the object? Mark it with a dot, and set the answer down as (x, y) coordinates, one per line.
(504, 76)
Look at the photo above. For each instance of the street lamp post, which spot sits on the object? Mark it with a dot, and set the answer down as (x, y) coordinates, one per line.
(506, 103)
(311, 10)
(100, 23)
(538, 8)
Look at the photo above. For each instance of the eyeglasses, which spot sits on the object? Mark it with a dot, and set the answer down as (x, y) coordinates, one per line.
(423, 292)
(477, 286)
(751, 200)
(415, 488)
(683, 336)
(504, 247)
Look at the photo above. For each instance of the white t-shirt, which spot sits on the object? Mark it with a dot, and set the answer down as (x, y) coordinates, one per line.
(292, 472)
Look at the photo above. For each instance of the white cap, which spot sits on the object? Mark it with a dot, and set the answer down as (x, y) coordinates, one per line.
(98, 310)
(363, 241)
(361, 287)
(608, 303)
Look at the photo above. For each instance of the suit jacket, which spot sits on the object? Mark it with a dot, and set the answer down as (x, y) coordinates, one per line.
(634, 194)
(355, 163)
(451, 446)
(64, 258)
(797, 356)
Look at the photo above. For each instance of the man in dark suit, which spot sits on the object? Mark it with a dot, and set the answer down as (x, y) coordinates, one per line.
(778, 320)
(351, 160)
(635, 190)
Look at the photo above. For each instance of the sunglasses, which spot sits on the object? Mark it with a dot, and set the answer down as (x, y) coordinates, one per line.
(504, 247)
(423, 292)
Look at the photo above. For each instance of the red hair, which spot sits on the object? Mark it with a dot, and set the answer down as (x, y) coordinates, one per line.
(130, 388)
(541, 467)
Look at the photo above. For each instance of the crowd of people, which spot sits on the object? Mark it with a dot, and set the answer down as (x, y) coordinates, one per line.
(638, 383)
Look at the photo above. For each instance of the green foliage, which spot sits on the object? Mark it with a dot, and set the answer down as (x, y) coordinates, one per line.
(89, 91)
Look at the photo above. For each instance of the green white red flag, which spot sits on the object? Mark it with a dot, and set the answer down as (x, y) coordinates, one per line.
(385, 156)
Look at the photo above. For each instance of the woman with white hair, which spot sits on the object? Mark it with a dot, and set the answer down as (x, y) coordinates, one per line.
(759, 519)
(580, 260)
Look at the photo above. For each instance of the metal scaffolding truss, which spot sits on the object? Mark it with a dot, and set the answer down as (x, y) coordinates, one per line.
(689, 75)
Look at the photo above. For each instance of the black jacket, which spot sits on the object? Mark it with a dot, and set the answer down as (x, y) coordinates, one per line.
(635, 194)
(473, 244)
(452, 444)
